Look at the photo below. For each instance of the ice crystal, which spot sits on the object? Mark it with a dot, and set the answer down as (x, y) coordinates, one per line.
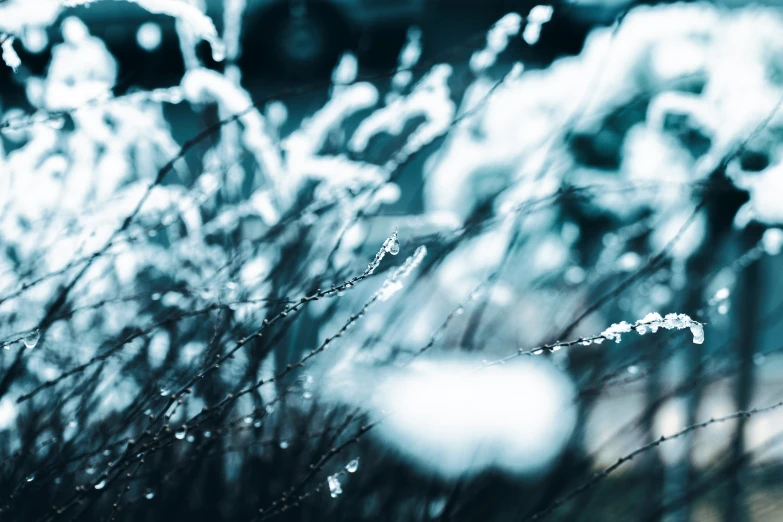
(335, 489)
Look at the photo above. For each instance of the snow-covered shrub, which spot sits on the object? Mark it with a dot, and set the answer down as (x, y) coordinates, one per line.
(422, 271)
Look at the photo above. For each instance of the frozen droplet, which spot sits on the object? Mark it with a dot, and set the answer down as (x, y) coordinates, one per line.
(283, 444)
(393, 246)
(101, 484)
(723, 309)
(633, 369)
(149, 494)
(270, 408)
(31, 339)
(249, 419)
(90, 470)
(698, 333)
(352, 466)
(190, 438)
(164, 391)
(156, 296)
(307, 395)
(335, 489)
(207, 434)
(181, 432)
(538, 352)
(30, 478)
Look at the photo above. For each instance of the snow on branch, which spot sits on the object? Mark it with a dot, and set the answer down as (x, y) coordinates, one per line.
(10, 57)
(201, 25)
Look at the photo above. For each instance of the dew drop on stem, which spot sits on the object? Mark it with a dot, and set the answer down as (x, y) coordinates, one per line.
(352, 466)
(31, 339)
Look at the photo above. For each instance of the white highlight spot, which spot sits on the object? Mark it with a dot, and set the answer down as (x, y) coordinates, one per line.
(149, 36)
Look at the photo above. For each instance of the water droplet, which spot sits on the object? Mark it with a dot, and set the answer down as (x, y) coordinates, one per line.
(164, 391)
(335, 489)
(283, 444)
(538, 352)
(156, 296)
(31, 339)
(249, 419)
(207, 434)
(149, 494)
(722, 294)
(90, 470)
(393, 246)
(101, 484)
(633, 369)
(181, 432)
(723, 309)
(307, 395)
(352, 466)
(30, 478)
(190, 438)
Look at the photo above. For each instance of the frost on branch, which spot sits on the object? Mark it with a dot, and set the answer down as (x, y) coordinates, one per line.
(10, 57)
(390, 246)
(199, 23)
(393, 283)
(538, 16)
(497, 41)
(652, 322)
